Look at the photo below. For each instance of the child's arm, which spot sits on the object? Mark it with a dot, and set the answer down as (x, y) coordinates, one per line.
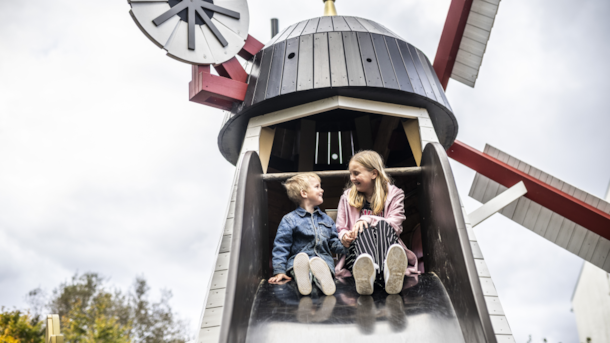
(395, 214)
(281, 246)
(336, 245)
(341, 224)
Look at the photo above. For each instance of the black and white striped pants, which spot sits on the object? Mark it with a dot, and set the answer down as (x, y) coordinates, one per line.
(375, 241)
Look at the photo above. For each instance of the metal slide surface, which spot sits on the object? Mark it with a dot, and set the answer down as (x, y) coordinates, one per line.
(421, 313)
(435, 308)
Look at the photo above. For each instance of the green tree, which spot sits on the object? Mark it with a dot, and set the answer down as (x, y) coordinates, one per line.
(154, 322)
(20, 327)
(90, 312)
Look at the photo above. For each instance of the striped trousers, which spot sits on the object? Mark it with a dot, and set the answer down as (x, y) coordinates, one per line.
(375, 241)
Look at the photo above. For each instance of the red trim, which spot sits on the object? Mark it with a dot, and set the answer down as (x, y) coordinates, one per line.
(251, 48)
(450, 39)
(215, 91)
(232, 69)
(555, 200)
(230, 86)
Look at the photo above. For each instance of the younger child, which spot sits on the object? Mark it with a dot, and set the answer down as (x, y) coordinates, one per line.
(305, 239)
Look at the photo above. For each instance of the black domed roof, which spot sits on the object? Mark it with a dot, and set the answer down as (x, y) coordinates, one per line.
(339, 55)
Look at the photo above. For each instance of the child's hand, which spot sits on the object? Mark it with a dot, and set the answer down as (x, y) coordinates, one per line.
(347, 239)
(278, 279)
(359, 226)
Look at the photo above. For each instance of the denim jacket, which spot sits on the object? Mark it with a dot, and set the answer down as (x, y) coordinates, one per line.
(300, 231)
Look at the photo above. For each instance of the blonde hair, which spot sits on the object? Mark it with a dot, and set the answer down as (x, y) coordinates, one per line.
(298, 183)
(371, 160)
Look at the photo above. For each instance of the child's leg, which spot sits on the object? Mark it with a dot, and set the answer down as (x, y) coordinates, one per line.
(364, 274)
(392, 258)
(301, 273)
(376, 241)
(394, 269)
(368, 243)
(322, 276)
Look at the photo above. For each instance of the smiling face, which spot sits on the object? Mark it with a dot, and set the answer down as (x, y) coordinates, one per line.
(314, 194)
(363, 179)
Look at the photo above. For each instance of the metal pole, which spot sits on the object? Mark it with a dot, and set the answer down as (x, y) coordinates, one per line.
(405, 171)
(275, 27)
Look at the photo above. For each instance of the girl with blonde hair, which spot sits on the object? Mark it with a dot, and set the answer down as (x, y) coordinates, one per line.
(369, 221)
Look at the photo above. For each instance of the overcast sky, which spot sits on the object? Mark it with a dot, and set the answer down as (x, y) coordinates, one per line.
(106, 166)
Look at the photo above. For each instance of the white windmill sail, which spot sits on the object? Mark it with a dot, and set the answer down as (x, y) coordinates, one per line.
(542, 221)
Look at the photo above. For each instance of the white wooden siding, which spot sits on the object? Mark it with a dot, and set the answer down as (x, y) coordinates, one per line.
(211, 318)
(542, 221)
(494, 306)
(474, 41)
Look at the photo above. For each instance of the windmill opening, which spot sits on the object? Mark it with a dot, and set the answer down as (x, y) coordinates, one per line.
(328, 140)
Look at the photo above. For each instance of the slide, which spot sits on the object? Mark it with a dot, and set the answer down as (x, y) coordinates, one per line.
(444, 304)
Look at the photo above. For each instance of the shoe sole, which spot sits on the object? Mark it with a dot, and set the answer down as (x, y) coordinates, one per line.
(301, 274)
(320, 270)
(397, 264)
(363, 270)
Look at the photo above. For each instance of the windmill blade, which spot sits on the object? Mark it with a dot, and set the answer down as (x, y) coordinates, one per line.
(464, 40)
(561, 213)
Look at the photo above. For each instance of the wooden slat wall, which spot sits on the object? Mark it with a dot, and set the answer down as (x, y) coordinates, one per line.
(340, 52)
(494, 307)
(474, 42)
(209, 329)
(542, 221)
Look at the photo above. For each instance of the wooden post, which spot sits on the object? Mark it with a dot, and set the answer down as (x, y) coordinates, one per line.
(265, 145)
(384, 133)
(363, 131)
(411, 128)
(307, 145)
(52, 333)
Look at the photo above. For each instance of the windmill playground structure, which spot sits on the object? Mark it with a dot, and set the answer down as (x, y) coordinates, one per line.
(317, 93)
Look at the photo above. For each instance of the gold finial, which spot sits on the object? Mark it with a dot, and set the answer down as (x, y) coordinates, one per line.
(329, 8)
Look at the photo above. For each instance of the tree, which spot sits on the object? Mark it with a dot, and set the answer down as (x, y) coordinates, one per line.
(89, 313)
(20, 327)
(154, 323)
(92, 313)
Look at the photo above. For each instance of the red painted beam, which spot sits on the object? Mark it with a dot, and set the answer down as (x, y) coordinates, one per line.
(215, 91)
(232, 69)
(250, 49)
(450, 39)
(539, 192)
(230, 86)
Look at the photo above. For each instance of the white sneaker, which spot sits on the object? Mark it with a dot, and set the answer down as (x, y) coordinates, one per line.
(301, 273)
(395, 265)
(320, 271)
(364, 274)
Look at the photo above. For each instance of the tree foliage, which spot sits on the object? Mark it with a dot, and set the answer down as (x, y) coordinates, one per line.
(92, 313)
(19, 327)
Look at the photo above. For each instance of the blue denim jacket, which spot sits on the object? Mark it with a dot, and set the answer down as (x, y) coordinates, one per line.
(300, 231)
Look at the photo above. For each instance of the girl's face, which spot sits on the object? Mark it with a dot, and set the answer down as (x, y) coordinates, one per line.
(315, 192)
(363, 179)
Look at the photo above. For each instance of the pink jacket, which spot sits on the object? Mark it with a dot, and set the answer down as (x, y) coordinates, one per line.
(394, 214)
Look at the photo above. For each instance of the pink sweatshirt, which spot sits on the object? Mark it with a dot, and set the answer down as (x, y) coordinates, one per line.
(393, 214)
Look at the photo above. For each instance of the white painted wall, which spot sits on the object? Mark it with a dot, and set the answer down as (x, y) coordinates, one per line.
(591, 305)
(591, 302)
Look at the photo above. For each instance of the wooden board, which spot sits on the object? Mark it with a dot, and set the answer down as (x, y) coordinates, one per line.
(369, 60)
